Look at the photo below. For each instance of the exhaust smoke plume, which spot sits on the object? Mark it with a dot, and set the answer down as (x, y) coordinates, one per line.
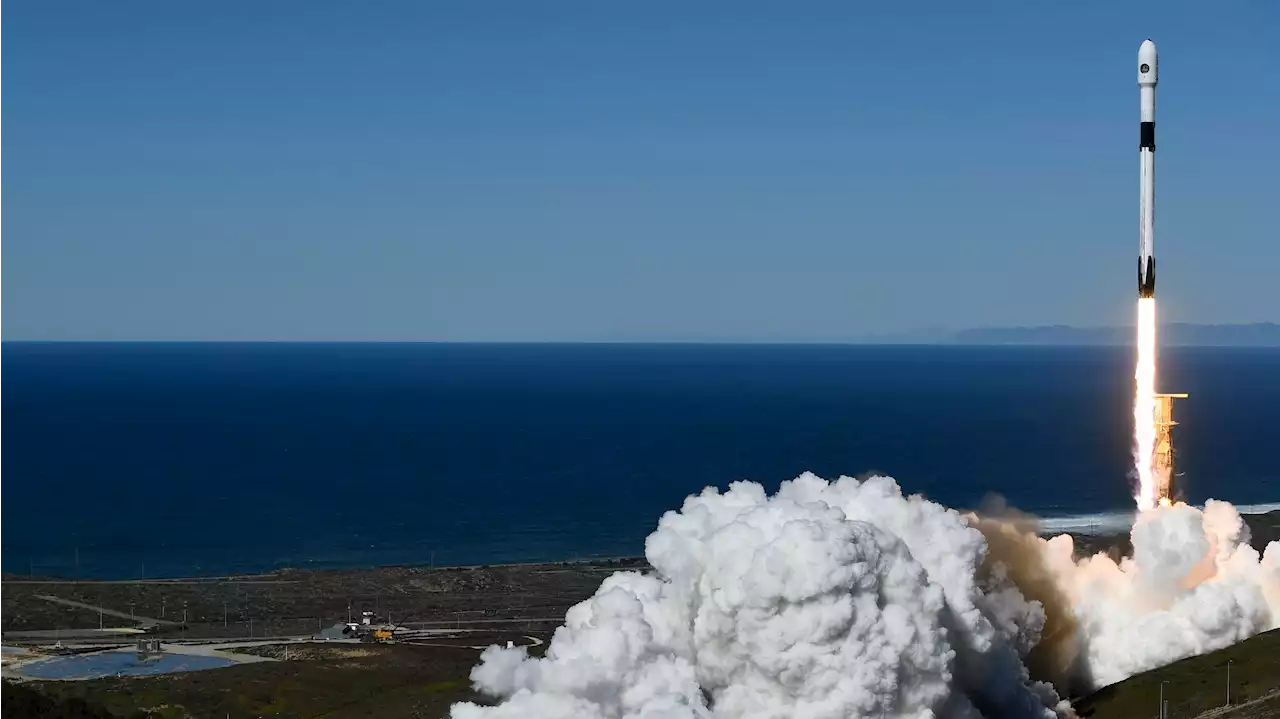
(847, 599)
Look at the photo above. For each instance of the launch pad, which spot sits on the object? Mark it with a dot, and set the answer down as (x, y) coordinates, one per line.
(1162, 461)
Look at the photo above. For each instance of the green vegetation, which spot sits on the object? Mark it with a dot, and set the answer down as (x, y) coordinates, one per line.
(21, 702)
(1198, 685)
(290, 603)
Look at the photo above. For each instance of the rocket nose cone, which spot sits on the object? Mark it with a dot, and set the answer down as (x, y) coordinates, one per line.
(1147, 64)
(1147, 52)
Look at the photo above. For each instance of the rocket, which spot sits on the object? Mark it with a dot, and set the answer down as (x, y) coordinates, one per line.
(1147, 171)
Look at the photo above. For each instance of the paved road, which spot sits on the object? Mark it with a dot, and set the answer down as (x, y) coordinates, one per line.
(85, 639)
(447, 623)
(533, 642)
(217, 650)
(120, 635)
(145, 621)
(1266, 705)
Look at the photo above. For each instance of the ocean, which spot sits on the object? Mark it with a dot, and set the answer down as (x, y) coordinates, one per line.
(178, 459)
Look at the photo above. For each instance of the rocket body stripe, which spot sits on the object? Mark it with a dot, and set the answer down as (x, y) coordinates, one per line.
(1147, 76)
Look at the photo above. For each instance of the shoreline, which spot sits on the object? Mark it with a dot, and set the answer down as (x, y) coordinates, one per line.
(279, 576)
(1264, 527)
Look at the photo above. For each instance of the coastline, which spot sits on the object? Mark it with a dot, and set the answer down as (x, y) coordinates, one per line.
(1264, 527)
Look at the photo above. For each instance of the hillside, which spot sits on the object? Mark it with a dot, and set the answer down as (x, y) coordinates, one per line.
(1199, 685)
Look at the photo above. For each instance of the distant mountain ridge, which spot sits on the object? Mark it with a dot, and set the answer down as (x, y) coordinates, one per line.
(1258, 334)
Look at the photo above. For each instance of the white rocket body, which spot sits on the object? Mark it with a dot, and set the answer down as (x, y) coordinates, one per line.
(1147, 170)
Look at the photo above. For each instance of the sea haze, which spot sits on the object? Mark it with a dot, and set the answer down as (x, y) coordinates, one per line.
(184, 459)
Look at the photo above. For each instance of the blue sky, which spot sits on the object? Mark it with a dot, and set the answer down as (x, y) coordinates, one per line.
(626, 171)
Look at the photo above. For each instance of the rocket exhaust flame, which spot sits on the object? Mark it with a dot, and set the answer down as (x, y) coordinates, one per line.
(1144, 407)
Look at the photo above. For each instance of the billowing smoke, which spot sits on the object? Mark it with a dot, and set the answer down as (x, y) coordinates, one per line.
(847, 599)
(1193, 585)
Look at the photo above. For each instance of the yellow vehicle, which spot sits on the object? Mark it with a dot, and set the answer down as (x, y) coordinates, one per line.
(382, 635)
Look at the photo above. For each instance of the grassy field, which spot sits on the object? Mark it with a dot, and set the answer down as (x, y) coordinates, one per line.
(301, 602)
(21, 701)
(1198, 685)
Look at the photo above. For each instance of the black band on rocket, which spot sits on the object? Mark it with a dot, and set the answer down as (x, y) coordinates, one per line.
(1147, 136)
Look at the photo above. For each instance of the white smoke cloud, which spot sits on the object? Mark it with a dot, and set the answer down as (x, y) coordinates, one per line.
(847, 599)
(1193, 585)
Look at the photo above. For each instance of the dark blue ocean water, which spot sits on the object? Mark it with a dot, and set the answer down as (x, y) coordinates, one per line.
(181, 459)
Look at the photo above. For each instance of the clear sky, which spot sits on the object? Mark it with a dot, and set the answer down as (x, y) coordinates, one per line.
(627, 170)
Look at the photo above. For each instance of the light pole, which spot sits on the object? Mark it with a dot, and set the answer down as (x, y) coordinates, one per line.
(1161, 710)
(1228, 682)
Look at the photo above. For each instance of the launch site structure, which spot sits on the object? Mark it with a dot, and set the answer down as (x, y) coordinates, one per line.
(1162, 463)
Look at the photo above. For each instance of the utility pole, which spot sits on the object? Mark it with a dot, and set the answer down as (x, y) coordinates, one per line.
(1228, 673)
(1228, 682)
(1162, 708)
